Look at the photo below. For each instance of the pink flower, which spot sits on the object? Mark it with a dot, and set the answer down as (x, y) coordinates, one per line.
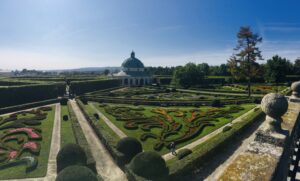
(29, 131)
(12, 154)
(32, 145)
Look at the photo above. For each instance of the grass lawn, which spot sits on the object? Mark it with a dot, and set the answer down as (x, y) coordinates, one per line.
(67, 135)
(90, 111)
(148, 144)
(18, 172)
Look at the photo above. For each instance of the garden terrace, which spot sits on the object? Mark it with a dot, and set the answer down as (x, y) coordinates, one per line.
(156, 127)
(25, 139)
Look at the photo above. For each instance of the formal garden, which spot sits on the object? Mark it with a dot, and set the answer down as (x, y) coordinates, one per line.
(156, 127)
(148, 120)
(25, 139)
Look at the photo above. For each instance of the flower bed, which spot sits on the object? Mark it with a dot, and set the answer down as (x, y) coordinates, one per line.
(20, 137)
(174, 124)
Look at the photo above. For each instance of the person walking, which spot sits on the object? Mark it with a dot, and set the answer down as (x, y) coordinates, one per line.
(173, 148)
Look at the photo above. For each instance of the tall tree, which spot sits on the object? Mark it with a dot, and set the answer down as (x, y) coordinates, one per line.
(276, 69)
(297, 66)
(243, 63)
(188, 75)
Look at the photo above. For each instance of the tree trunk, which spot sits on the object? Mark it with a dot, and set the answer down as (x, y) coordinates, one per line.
(249, 87)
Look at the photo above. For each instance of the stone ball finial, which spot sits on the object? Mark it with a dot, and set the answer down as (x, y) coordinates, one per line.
(274, 105)
(296, 89)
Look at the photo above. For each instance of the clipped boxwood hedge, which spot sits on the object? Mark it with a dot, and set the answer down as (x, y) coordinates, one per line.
(130, 147)
(77, 173)
(27, 106)
(149, 165)
(183, 153)
(15, 95)
(70, 154)
(81, 87)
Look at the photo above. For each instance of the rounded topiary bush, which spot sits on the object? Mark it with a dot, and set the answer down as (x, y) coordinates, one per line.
(216, 103)
(129, 147)
(77, 173)
(96, 116)
(70, 154)
(64, 101)
(149, 165)
(65, 117)
(226, 128)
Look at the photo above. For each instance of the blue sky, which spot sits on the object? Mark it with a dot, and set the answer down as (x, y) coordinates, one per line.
(58, 34)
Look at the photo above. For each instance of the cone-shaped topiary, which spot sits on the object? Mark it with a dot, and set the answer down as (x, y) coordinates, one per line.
(77, 173)
(129, 147)
(70, 154)
(150, 165)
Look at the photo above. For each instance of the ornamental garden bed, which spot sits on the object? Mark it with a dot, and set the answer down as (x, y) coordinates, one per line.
(25, 139)
(161, 97)
(156, 127)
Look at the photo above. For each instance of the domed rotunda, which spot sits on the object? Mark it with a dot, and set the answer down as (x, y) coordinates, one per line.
(133, 72)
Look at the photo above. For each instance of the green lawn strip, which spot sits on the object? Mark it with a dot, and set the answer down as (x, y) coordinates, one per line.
(148, 145)
(67, 135)
(90, 111)
(200, 152)
(18, 172)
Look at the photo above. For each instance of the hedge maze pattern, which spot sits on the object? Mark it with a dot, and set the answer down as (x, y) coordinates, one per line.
(20, 137)
(176, 125)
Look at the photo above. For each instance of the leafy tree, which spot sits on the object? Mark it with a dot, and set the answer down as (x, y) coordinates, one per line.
(188, 75)
(106, 72)
(204, 67)
(297, 66)
(276, 69)
(243, 65)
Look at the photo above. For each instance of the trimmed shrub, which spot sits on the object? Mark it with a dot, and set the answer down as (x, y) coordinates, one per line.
(84, 101)
(96, 116)
(77, 173)
(70, 154)
(216, 103)
(64, 101)
(129, 147)
(226, 128)
(149, 165)
(183, 153)
(65, 117)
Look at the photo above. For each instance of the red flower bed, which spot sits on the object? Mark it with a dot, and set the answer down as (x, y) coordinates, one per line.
(29, 131)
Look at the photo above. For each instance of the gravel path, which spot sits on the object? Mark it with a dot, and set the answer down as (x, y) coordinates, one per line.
(55, 145)
(119, 132)
(190, 146)
(105, 165)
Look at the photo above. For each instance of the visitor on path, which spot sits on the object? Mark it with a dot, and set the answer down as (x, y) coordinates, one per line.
(173, 148)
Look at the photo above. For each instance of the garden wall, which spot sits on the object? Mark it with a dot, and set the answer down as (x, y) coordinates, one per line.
(81, 87)
(15, 95)
(28, 106)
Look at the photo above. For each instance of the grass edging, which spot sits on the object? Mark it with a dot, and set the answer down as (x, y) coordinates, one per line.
(179, 168)
(80, 139)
